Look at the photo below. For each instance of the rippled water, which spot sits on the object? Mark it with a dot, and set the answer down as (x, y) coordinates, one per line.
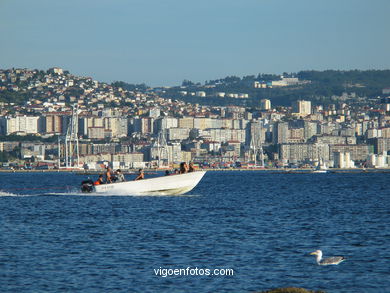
(261, 225)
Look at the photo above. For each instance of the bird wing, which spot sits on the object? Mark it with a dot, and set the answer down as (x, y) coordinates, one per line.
(332, 260)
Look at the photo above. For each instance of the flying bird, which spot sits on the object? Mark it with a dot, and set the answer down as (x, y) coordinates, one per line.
(334, 260)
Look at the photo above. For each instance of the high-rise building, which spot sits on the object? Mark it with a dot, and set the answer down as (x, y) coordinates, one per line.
(310, 129)
(96, 132)
(299, 152)
(53, 123)
(202, 123)
(178, 133)
(342, 160)
(117, 125)
(265, 104)
(20, 124)
(302, 107)
(255, 134)
(165, 123)
(143, 125)
(357, 152)
(186, 122)
(174, 152)
(224, 135)
(281, 133)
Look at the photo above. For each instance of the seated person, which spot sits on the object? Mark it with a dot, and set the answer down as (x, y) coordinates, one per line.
(167, 173)
(140, 175)
(183, 168)
(191, 167)
(119, 177)
(99, 180)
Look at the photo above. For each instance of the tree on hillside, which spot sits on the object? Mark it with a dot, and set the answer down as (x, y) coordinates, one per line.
(129, 86)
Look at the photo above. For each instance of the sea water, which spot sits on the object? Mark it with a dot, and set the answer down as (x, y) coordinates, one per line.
(259, 225)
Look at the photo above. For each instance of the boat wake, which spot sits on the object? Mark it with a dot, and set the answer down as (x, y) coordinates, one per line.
(96, 194)
(5, 194)
(93, 194)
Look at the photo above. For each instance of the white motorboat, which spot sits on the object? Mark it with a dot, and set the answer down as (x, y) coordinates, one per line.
(164, 185)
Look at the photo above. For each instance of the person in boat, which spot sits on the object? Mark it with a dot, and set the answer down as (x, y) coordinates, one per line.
(140, 175)
(87, 185)
(167, 173)
(183, 168)
(99, 180)
(119, 177)
(191, 167)
(109, 175)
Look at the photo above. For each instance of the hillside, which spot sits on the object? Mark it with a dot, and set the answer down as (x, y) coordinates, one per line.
(318, 86)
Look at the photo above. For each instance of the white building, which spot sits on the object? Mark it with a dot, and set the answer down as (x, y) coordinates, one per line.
(56, 70)
(378, 161)
(166, 123)
(201, 94)
(225, 135)
(258, 85)
(202, 123)
(20, 124)
(117, 125)
(302, 107)
(265, 104)
(285, 81)
(178, 133)
(174, 152)
(343, 160)
(29, 150)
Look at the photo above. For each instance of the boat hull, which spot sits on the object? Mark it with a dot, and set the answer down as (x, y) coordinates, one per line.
(164, 185)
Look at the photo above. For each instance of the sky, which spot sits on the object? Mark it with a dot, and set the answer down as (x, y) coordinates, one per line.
(163, 42)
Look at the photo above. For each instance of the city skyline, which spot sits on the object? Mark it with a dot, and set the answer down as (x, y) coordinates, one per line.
(129, 128)
(165, 43)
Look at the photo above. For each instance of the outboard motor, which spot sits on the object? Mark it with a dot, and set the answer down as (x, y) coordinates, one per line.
(87, 186)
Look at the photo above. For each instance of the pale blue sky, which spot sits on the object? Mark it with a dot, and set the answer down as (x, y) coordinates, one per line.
(162, 42)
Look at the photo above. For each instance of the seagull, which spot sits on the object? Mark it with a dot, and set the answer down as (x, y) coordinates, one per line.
(334, 260)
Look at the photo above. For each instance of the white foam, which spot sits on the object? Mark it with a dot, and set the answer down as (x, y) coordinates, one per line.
(4, 193)
(79, 193)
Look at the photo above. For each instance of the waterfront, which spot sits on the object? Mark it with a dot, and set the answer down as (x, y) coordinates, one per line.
(262, 225)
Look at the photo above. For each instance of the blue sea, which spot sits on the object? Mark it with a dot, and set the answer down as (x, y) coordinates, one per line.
(259, 225)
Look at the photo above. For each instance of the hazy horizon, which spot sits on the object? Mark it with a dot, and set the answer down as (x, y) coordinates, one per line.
(163, 43)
